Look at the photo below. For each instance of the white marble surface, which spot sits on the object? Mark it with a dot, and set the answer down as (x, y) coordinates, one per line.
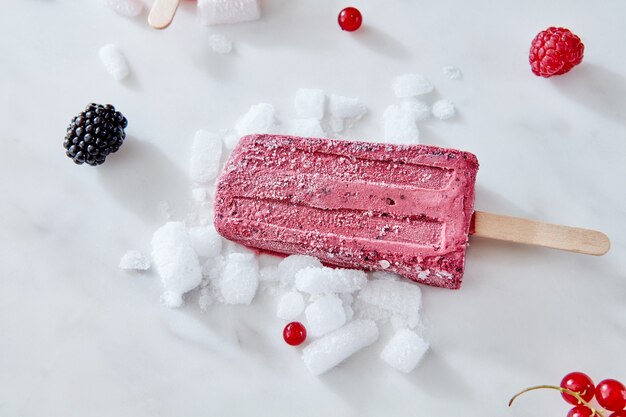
(78, 336)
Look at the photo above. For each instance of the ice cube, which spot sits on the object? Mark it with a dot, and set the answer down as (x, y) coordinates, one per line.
(213, 268)
(443, 109)
(129, 8)
(220, 44)
(269, 274)
(346, 107)
(325, 315)
(114, 61)
(176, 262)
(399, 126)
(133, 260)
(411, 85)
(328, 351)
(206, 241)
(261, 118)
(452, 72)
(308, 128)
(309, 103)
(206, 298)
(206, 153)
(416, 108)
(394, 297)
(240, 279)
(404, 351)
(217, 12)
(316, 280)
(288, 267)
(231, 139)
(290, 306)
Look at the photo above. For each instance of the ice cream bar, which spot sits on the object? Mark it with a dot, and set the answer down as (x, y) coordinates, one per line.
(403, 209)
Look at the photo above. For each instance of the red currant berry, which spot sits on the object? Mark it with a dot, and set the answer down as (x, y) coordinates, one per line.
(620, 413)
(580, 411)
(611, 394)
(580, 383)
(294, 333)
(350, 19)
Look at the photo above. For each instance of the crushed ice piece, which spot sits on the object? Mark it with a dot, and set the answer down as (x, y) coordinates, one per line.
(268, 273)
(330, 350)
(416, 108)
(230, 139)
(411, 85)
(217, 12)
(129, 8)
(384, 264)
(385, 275)
(220, 44)
(206, 241)
(133, 260)
(240, 279)
(443, 109)
(288, 267)
(392, 297)
(202, 195)
(346, 107)
(404, 351)
(452, 72)
(325, 315)
(213, 268)
(206, 153)
(309, 103)
(114, 61)
(206, 298)
(176, 262)
(290, 306)
(261, 118)
(316, 280)
(399, 126)
(308, 128)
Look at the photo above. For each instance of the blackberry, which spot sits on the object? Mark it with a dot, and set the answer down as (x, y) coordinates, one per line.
(95, 133)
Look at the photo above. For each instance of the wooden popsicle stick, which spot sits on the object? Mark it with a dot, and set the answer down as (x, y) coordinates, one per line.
(530, 232)
(162, 13)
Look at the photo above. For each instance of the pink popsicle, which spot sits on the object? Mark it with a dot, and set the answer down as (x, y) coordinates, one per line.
(372, 206)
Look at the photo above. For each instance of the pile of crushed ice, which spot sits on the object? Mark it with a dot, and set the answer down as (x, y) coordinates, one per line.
(340, 308)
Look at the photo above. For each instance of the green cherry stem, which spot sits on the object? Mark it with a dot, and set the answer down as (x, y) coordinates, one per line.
(565, 390)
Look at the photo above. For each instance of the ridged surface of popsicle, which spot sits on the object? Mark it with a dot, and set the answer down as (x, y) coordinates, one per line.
(372, 206)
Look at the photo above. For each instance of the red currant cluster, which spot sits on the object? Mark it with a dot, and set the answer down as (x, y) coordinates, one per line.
(578, 389)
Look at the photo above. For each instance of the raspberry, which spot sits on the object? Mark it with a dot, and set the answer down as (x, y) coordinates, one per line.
(95, 133)
(555, 51)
